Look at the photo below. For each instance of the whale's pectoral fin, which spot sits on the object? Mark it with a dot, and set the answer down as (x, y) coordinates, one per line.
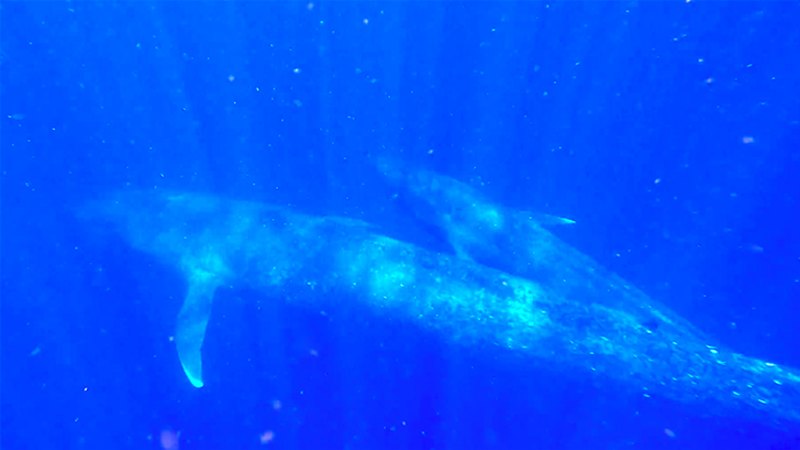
(192, 322)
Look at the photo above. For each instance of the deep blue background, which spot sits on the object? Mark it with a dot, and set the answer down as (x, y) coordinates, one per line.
(670, 132)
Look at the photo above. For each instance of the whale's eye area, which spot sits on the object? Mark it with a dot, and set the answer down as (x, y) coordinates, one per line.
(651, 324)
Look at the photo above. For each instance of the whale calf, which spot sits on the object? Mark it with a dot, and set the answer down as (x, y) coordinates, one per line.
(519, 242)
(320, 261)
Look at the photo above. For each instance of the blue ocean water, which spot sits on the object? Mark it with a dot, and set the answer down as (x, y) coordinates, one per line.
(669, 131)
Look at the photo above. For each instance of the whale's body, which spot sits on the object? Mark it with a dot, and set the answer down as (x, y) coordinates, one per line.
(320, 261)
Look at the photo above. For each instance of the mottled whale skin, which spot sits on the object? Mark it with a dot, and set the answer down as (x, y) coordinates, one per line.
(319, 261)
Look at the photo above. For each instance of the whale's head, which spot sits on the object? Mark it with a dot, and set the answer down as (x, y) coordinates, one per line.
(161, 222)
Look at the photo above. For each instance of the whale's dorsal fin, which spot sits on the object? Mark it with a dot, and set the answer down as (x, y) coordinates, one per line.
(543, 219)
(193, 320)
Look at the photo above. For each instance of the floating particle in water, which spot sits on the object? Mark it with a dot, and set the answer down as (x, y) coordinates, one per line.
(266, 437)
(170, 439)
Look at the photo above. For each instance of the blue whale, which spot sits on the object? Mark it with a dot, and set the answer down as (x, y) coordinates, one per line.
(320, 261)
